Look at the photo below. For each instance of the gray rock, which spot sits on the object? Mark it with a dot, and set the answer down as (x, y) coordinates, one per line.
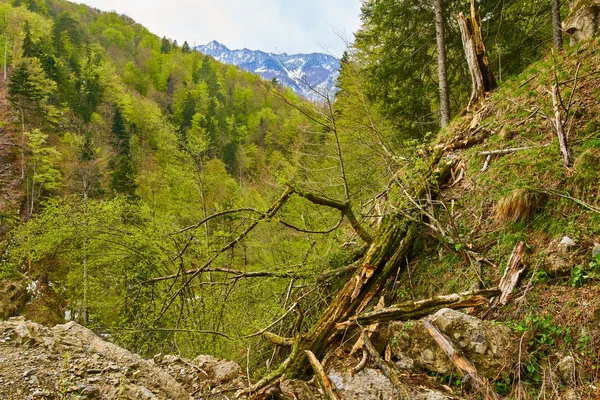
(558, 260)
(90, 391)
(566, 245)
(371, 384)
(33, 380)
(583, 20)
(300, 390)
(146, 394)
(570, 394)
(596, 250)
(566, 370)
(493, 348)
(221, 371)
(29, 372)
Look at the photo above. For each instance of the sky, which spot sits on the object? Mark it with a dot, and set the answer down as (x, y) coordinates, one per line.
(290, 26)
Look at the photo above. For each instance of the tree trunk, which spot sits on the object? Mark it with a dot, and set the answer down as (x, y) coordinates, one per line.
(440, 37)
(390, 247)
(482, 77)
(556, 25)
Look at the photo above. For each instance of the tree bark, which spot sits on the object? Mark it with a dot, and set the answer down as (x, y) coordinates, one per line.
(557, 25)
(422, 308)
(328, 387)
(440, 37)
(482, 77)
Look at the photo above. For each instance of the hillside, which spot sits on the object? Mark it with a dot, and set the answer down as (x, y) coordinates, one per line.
(176, 205)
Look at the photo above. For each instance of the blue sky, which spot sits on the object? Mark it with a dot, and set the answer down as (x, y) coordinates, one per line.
(290, 26)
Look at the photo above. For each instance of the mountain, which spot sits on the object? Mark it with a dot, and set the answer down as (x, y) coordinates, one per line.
(319, 70)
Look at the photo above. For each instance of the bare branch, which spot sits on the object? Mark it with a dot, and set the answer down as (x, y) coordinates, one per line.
(219, 214)
(344, 207)
(265, 216)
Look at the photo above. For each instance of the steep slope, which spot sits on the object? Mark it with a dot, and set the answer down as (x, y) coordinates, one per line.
(11, 193)
(304, 73)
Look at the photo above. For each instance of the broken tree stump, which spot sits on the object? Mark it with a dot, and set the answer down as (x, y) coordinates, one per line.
(482, 77)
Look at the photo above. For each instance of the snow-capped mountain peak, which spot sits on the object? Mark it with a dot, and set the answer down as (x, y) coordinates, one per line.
(301, 72)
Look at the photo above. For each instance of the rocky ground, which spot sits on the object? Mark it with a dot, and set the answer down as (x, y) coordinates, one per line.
(70, 362)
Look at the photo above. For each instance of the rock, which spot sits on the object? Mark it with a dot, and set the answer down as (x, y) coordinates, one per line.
(570, 394)
(146, 394)
(371, 384)
(298, 390)
(566, 370)
(33, 380)
(62, 354)
(366, 384)
(583, 20)
(90, 391)
(596, 250)
(558, 261)
(566, 245)
(491, 347)
(220, 371)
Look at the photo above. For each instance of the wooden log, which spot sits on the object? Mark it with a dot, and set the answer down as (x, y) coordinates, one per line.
(329, 389)
(418, 309)
(390, 247)
(464, 365)
(512, 273)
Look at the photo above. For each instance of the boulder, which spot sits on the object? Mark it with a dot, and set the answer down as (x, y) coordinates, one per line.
(596, 250)
(583, 20)
(493, 348)
(566, 370)
(372, 384)
(559, 261)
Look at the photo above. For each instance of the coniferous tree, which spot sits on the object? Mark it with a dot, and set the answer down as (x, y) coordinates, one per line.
(30, 49)
(123, 174)
(165, 45)
(185, 47)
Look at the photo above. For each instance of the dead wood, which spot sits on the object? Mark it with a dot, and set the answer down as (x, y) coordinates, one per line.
(391, 245)
(506, 151)
(464, 365)
(343, 206)
(329, 389)
(512, 273)
(278, 340)
(418, 309)
(482, 77)
(558, 125)
(369, 330)
(388, 369)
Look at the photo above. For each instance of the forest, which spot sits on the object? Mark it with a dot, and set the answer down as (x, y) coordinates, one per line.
(178, 205)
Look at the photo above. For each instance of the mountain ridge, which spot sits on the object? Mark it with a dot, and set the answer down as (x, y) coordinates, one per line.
(308, 74)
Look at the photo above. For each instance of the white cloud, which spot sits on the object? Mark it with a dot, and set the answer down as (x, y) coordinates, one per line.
(269, 25)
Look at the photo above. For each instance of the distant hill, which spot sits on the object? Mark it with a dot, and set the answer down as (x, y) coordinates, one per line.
(319, 70)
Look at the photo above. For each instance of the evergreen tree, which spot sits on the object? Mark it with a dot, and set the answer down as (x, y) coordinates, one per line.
(30, 49)
(165, 45)
(185, 47)
(123, 173)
